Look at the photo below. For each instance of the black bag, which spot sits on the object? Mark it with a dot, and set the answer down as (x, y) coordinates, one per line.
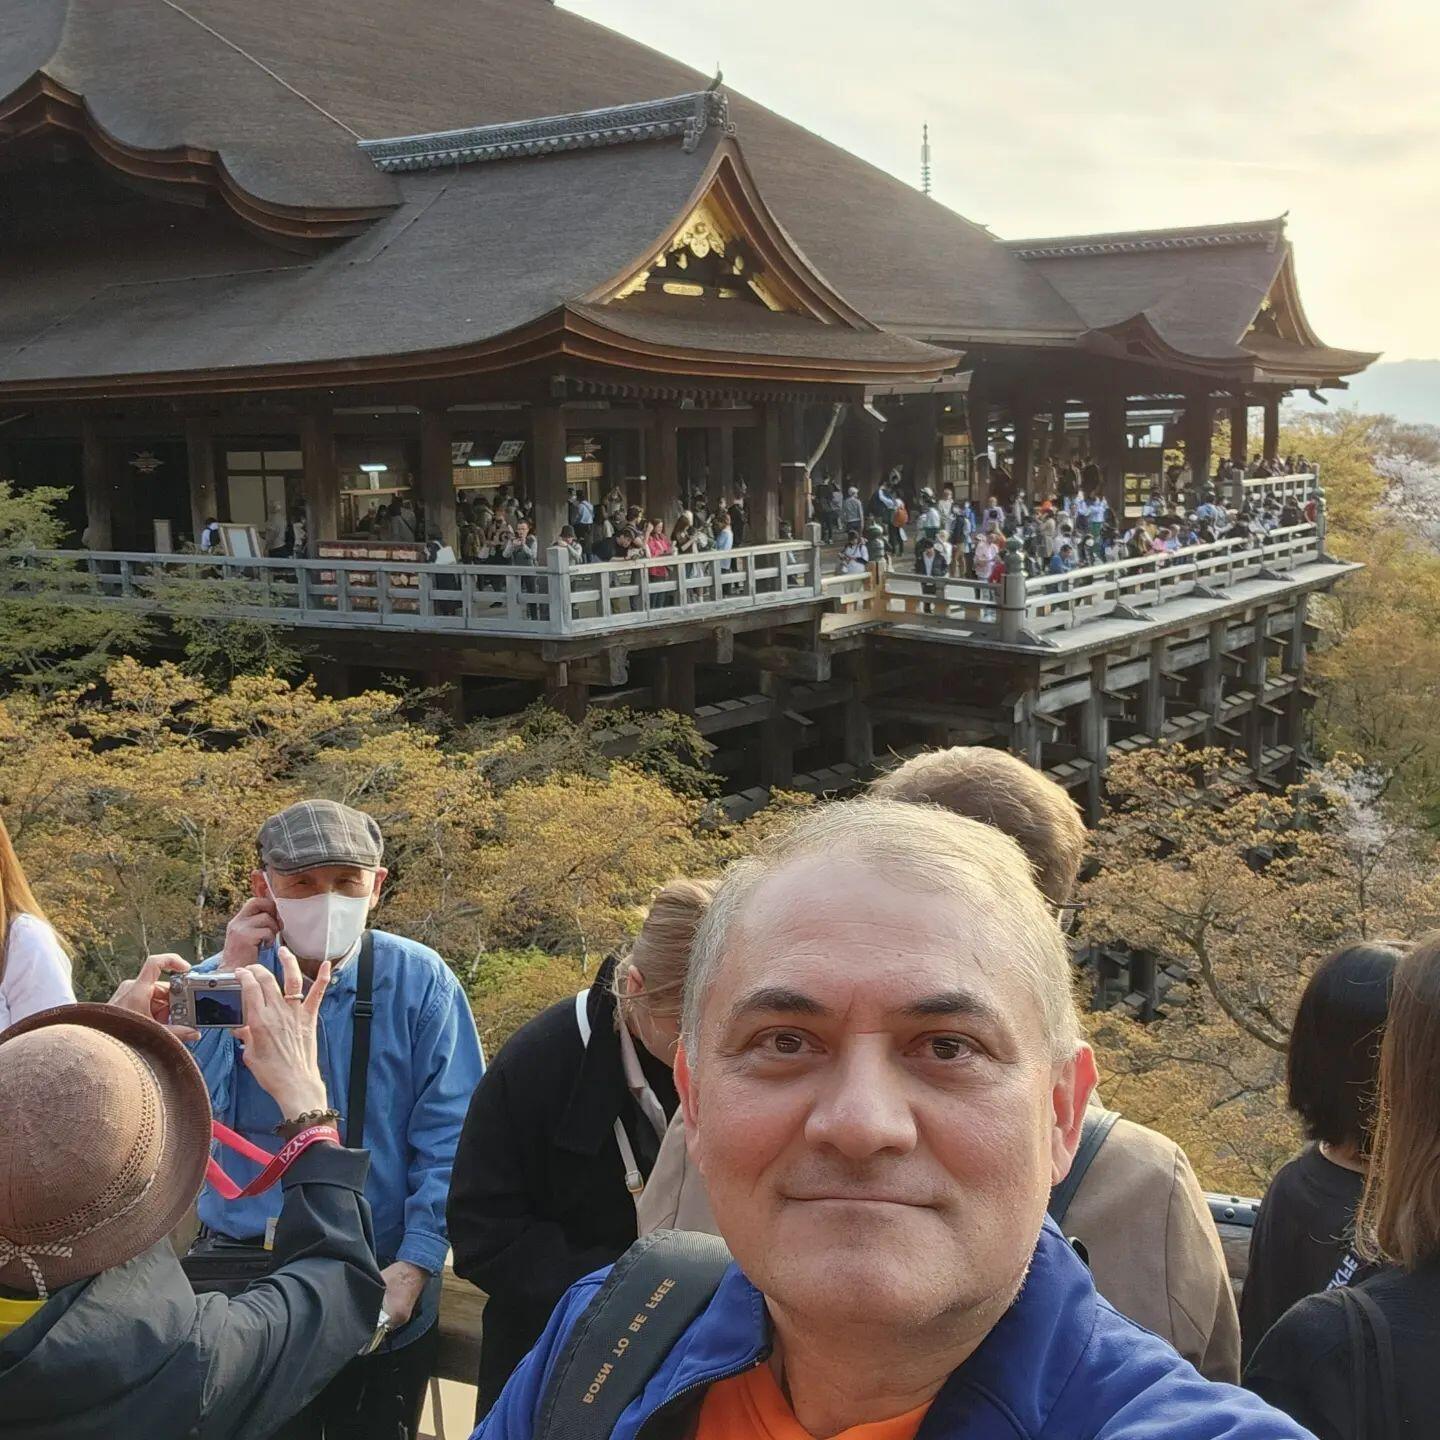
(1372, 1367)
(648, 1301)
(219, 1264)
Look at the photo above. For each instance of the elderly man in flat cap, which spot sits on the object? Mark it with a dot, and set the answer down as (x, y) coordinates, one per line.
(400, 1058)
(104, 1141)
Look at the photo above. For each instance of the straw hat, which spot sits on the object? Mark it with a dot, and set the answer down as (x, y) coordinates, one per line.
(104, 1138)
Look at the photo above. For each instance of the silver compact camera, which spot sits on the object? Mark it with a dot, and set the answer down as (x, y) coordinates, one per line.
(206, 1002)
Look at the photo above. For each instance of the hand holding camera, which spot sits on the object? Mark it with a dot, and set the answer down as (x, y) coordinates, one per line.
(276, 1026)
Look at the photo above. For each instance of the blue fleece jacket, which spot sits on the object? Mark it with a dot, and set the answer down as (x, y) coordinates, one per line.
(425, 1062)
(1061, 1364)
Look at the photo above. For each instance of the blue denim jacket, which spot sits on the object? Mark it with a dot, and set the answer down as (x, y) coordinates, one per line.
(425, 1061)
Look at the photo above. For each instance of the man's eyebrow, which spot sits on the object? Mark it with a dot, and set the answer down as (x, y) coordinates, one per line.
(952, 1004)
(776, 999)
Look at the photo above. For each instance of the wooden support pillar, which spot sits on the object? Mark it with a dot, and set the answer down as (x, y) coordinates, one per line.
(762, 506)
(99, 495)
(200, 465)
(1257, 656)
(1295, 647)
(794, 479)
(1239, 433)
(1023, 462)
(722, 485)
(777, 743)
(437, 481)
(1095, 738)
(662, 494)
(866, 462)
(675, 679)
(1108, 447)
(926, 446)
(1272, 426)
(1212, 681)
(631, 445)
(321, 482)
(1152, 693)
(1026, 739)
(977, 414)
(547, 473)
(1059, 438)
(1199, 426)
(570, 699)
(859, 729)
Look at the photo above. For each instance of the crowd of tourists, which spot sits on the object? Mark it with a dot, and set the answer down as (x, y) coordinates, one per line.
(1069, 524)
(830, 1119)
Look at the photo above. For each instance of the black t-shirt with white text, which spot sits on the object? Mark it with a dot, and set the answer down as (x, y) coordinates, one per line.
(1301, 1243)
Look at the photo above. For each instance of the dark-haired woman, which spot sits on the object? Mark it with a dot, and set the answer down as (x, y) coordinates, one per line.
(1302, 1239)
(1359, 1363)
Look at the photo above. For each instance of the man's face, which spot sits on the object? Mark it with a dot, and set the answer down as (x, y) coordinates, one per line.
(873, 1103)
(522, 531)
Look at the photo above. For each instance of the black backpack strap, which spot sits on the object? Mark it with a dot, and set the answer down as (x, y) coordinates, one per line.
(1367, 1327)
(1098, 1125)
(648, 1301)
(360, 1043)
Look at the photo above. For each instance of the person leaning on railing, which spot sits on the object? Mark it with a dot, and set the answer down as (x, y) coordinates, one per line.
(105, 1133)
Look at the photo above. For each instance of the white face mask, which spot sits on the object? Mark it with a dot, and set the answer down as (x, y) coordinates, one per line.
(323, 927)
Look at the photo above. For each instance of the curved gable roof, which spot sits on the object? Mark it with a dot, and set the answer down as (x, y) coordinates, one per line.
(257, 79)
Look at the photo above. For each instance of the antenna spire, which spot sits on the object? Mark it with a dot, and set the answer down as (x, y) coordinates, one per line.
(925, 161)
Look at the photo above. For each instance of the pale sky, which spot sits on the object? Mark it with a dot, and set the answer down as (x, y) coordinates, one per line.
(1052, 117)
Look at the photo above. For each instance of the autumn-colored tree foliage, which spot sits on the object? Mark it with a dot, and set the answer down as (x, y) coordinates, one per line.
(518, 851)
(1378, 667)
(1242, 891)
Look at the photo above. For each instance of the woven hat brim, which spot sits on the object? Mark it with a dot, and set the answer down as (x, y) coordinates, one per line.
(184, 1152)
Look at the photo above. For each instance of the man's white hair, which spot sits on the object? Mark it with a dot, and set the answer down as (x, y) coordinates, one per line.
(921, 849)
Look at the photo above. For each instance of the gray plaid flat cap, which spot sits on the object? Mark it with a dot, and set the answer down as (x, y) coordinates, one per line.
(320, 832)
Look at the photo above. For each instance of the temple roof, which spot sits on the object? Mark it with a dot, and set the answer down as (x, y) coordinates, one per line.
(457, 167)
(1196, 292)
(470, 261)
(282, 93)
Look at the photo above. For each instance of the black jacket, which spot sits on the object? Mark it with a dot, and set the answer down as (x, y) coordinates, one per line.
(134, 1352)
(537, 1196)
(1306, 1364)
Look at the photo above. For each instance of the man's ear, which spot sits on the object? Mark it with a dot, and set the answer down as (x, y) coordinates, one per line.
(1069, 1095)
(380, 875)
(689, 1093)
(259, 885)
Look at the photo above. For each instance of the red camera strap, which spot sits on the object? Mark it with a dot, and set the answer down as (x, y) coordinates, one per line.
(275, 1165)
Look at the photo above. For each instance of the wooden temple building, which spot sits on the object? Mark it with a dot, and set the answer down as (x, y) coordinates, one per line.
(272, 258)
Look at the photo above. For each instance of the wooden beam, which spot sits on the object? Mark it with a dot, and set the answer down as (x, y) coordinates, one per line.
(809, 665)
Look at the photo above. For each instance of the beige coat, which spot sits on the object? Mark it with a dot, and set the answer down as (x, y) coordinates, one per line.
(1154, 1251)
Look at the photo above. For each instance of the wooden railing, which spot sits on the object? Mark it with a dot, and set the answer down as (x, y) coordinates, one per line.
(1124, 588)
(556, 599)
(1298, 488)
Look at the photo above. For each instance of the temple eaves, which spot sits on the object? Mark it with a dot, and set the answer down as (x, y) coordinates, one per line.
(685, 117)
(1267, 233)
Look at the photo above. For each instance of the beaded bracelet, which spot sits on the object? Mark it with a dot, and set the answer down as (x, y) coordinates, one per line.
(289, 1129)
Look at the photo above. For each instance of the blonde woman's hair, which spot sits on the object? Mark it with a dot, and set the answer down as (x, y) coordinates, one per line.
(16, 896)
(661, 952)
(1399, 1217)
(923, 850)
